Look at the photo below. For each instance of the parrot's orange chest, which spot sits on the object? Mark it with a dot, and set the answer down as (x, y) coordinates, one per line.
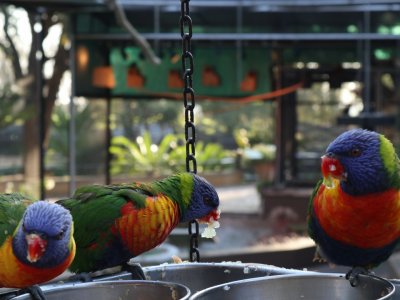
(14, 273)
(145, 228)
(369, 221)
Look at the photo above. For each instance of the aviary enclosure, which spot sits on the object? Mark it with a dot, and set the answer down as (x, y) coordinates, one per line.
(232, 53)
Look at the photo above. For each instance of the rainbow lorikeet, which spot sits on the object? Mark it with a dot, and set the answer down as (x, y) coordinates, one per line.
(114, 223)
(354, 212)
(36, 241)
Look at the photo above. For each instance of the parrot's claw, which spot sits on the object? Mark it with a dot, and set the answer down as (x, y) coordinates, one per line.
(135, 269)
(318, 257)
(35, 291)
(352, 275)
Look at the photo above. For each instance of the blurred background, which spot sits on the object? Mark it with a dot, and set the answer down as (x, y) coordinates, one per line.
(274, 81)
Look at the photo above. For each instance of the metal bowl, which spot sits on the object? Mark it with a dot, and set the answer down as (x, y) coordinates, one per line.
(199, 276)
(122, 290)
(300, 286)
(396, 283)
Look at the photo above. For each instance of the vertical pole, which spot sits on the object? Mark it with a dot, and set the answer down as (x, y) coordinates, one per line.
(367, 64)
(108, 99)
(38, 46)
(239, 45)
(156, 28)
(108, 137)
(72, 110)
(279, 130)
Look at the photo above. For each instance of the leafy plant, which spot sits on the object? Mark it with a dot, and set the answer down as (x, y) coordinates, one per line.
(13, 110)
(209, 157)
(142, 156)
(88, 140)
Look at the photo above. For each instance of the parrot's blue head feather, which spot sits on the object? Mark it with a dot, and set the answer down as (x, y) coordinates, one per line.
(204, 200)
(53, 224)
(359, 152)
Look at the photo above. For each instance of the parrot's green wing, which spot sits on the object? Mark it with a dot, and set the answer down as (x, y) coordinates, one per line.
(310, 207)
(94, 210)
(12, 208)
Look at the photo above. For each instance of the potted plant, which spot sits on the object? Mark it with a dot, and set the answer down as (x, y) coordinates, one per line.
(260, 159)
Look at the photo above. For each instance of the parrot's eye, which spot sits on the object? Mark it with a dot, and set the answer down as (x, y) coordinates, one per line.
(207, 201)
(59, 236)
(355, 152)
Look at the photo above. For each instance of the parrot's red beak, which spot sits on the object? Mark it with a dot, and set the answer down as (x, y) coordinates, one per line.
(36, 247)
(332, 169)
(330, 166)
(211, 217)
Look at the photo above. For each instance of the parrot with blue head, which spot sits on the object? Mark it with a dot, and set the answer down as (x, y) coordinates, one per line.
(114, 223)
(354, 211)
(36, 241)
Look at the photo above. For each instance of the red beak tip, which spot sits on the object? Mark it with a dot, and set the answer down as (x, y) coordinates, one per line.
(36, 247)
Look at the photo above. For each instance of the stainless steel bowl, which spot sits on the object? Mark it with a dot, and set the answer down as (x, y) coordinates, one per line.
(300, 286)
(199, 276)
(121, 290)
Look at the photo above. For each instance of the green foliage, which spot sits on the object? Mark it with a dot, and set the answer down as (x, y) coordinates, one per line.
(267, 151)
(145, 157)
(247, 124)
(209, 157)
(253, 156)
(89, 140)
(132, 116)
(142, 156)
(12, 110)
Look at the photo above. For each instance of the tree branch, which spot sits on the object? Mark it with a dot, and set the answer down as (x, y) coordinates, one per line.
(12, 53)
(123, 21)
(61, 64)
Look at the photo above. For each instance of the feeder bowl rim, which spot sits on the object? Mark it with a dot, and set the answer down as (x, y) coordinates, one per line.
(302, 275)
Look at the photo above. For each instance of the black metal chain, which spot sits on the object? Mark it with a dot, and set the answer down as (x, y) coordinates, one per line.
(185, 23)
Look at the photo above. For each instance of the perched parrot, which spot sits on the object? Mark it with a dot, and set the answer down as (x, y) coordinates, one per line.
(114, 223)
(354, 212)
(36, 241)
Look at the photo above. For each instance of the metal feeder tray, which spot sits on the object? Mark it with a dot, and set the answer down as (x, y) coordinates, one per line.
(121, 289)
(301, 286)
(199, 276)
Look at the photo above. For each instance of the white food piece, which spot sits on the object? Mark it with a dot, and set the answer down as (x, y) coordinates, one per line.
(209, 232)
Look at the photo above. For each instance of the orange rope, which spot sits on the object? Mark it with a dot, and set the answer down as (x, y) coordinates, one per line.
(243, 100)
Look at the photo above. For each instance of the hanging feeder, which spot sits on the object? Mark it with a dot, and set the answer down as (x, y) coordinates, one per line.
(300, 286)
(122, 290)
(175, 80)
(249, 83)
(200, 276)
(210, 77)
(189, 103)
(134, 78)
(103, 77)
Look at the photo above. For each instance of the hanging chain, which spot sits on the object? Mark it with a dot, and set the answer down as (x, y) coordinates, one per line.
(185, 23)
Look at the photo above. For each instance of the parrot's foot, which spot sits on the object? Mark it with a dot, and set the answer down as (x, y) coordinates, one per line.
(82, 277)
(135, 269)
(318, 257)
(35, 291)
(352, 275)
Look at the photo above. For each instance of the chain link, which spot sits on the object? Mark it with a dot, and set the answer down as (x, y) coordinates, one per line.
(194, 253)
(186, 28)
